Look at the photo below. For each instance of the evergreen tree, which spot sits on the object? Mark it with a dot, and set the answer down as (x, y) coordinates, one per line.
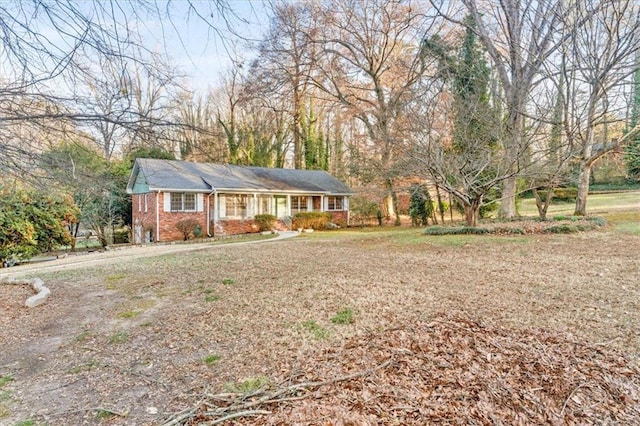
(467, 167)
(420, 205)
(632, 151)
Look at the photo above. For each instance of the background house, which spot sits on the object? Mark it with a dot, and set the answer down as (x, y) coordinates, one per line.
(224, 198)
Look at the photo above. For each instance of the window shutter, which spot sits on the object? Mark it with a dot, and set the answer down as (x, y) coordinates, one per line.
(345, 203)
(167, 201)
(222, 206)
(199, 202)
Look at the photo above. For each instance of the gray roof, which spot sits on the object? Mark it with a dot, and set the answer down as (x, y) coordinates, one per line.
(165, 175)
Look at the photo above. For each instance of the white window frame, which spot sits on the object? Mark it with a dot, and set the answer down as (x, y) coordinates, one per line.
(179, 201)
(335, 202)
(232, 208)
(299, 205)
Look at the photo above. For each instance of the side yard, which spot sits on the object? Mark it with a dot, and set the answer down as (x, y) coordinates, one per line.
(135, 342)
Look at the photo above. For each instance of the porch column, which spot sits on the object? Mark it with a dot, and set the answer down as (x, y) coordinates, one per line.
(256, 208)
(323, 199)
(288, 205)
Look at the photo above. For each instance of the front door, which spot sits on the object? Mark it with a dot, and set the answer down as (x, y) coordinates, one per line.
(281, 206)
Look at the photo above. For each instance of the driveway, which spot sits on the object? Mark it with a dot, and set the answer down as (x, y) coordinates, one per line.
(80, 260)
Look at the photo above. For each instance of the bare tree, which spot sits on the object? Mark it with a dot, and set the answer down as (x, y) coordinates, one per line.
(519, 37)
(602, 55)
(286, 63)
(369, 65)
(54, 54)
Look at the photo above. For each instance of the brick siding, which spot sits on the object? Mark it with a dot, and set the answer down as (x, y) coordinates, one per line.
(168, 220)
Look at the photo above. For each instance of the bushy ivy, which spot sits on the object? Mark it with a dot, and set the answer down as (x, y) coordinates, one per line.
(420, 205)
(32, 223)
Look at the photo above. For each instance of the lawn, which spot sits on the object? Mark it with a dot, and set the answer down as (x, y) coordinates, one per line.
(138, 341)
(597, 204)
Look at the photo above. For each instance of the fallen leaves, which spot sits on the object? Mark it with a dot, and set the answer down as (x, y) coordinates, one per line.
(450, 369)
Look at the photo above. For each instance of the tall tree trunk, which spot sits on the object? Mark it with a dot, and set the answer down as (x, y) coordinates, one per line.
(508, 203)
(391, 191)
(583, 189)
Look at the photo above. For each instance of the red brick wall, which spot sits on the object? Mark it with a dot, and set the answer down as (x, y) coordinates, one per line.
(246, 226)
(147, 219)
(168, 220)
(340, 217)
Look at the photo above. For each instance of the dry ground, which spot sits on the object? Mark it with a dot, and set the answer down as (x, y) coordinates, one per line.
(137, 341)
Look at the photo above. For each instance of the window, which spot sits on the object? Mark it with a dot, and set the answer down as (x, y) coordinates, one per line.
(189, 201)
(335, 203)
(298, 204)
(183, 202)
(235, 206)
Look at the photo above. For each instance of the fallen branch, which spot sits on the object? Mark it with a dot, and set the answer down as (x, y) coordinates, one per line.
(240, 407)
(239, 414)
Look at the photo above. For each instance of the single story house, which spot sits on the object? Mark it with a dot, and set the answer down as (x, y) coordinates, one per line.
(224, 198)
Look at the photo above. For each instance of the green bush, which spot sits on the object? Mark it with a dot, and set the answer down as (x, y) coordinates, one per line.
(447, 230)
(561, 229)
(32, 223)
(188, 227)
(265, 221)
(311, 220)
(121, 235)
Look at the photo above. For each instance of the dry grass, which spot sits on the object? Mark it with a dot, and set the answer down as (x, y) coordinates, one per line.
(585, 284)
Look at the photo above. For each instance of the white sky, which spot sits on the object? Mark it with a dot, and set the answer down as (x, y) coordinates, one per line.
(198, 49)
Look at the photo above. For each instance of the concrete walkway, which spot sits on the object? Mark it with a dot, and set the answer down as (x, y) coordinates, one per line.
(126, 252)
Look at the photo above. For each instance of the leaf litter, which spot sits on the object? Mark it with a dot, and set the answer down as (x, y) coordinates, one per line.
(450, 369)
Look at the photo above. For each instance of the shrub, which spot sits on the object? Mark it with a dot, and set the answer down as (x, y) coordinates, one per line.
(311, 220)
(445, 230)
(265, 221)
(364, 211)
(32, 223)
(121, 235)
(561, 229)
(187, 227)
